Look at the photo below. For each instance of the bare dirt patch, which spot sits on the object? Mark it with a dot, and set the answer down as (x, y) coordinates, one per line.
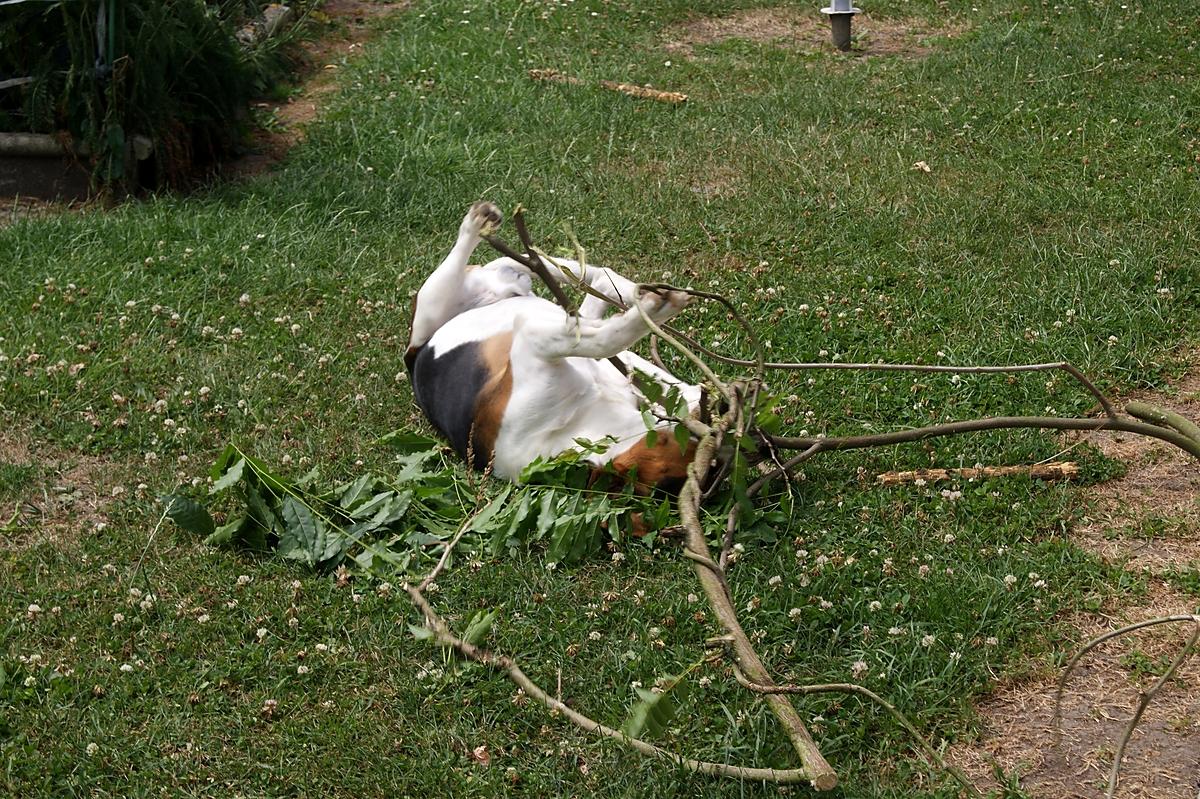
(1162, 760)
(350, 23)
(1148, 521)
(1150, 518)
(808, 31)
(66, 493)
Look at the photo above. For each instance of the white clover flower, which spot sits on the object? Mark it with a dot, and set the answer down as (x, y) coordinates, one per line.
(992, 640)
(795, 613)
(594, 635)
(928, 640)
(126, 668)
(92, 749)
(1010, 580)
(260, 633)
(244, 579)
(875, 606)
(302, 669)
(774, 581)
(859, 668)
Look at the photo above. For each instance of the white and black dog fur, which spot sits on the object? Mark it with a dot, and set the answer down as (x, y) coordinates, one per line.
(508, 377)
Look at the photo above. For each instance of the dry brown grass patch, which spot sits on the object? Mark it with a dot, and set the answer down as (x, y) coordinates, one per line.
(808, 31)
(68, 493)
(1163, 758)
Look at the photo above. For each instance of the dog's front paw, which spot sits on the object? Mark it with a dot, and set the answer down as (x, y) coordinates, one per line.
(483, 219)
(663, 305)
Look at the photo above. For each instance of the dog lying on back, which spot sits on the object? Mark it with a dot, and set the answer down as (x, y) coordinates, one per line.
(508, 377)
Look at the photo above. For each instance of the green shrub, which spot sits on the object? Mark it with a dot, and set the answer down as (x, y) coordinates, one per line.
(107, 70)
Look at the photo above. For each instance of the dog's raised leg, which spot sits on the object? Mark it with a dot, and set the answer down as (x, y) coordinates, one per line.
(441, 297)
(574, 337)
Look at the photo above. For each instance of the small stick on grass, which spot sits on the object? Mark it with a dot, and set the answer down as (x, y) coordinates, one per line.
(1041, 471)
(641, 92)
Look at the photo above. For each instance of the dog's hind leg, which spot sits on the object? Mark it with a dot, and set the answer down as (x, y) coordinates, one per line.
(564, 336)
(602, 280)
(441, 296)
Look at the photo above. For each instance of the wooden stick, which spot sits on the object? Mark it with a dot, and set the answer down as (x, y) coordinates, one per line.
(712, 578)
(633, 90)
(1064, 470)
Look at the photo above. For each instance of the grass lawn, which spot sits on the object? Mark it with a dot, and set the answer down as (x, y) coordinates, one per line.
(1056, 221)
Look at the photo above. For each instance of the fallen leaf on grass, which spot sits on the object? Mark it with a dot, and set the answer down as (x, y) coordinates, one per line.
(481, 755)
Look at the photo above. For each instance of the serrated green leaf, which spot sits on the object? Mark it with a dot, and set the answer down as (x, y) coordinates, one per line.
(231, 477)
(650, 715)
(226, 533)
(355, 491)
(478, 627)
(500, 534)
(545, 521)
(421, 633)
(223, 460)
(261, 511)
(189, 514)
(304, 535)
(480, 523)
(683, 437)
(649, 386)
(267, 477)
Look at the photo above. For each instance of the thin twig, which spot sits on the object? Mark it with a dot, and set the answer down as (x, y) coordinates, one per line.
(510, 668)
(1056, 721)
(719, 384)
(1104, 402)
(923, 745)
(990, 423)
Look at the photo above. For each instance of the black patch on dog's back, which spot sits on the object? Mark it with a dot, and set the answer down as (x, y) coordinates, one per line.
(447, 387)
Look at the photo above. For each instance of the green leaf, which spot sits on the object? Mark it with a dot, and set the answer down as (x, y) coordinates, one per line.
(649, 386)
(421, 633)
(545, 521)
(223, 460)
(683, 437)
(226, 533)
(484, 517)
(652, 713)
(271, 480)
(501, 535)
(231, 477)
(261, 512)
(478, 627)
(407, 442)
(189, 514)
(304, 536)
(354, 492)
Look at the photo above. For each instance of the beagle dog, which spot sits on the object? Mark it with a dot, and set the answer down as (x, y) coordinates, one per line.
(508, 377)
